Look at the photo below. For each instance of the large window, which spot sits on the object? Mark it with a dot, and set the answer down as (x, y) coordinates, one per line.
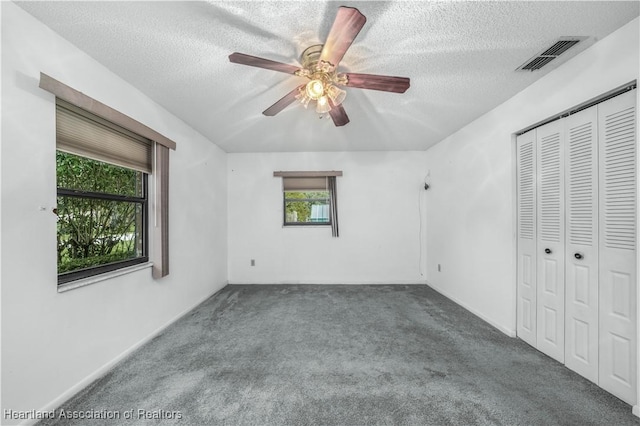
(104, 158)
(101, 173)
(102, 216)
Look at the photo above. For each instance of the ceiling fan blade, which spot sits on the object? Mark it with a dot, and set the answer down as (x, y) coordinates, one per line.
(338, 114)
(284, 102)
(348, 23)
(254, 61)
(378, 82)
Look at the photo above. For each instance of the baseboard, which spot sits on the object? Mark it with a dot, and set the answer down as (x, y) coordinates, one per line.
(636, 410)
(292, 282)
(509, 332)
(73, 390)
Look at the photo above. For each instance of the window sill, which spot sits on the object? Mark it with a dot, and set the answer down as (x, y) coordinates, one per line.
(102, 277)
(305, 225)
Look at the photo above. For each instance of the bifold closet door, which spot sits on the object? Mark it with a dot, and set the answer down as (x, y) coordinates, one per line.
(581, 220)
(577, 277)
(526, 194)
(550, 250)
(617, 233)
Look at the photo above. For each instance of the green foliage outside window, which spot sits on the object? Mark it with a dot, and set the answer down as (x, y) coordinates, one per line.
(94, 231)
(74, 172)
(298, 205)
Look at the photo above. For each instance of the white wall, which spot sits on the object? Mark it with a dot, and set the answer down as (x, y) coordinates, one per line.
(54, 341)
(470, 213)
(379, 218)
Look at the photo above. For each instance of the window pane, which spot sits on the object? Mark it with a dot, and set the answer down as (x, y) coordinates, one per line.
(84, 174)
(95, 232)
(307, 207)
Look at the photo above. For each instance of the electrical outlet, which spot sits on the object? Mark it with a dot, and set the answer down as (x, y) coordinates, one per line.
(438, 267)
(253, 262)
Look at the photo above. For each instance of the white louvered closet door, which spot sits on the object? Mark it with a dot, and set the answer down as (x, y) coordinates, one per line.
(526, 189)
(581, 219)
(550, 242)
(617, 182)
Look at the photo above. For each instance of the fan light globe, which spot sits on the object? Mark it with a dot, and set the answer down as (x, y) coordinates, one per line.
(315, 89)
(303, 98)
(336, 94)
(322, 106)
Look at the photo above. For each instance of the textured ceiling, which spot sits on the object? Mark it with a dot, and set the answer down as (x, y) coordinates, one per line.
(460, 56)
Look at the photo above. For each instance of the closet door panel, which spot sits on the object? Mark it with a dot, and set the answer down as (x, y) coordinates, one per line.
(550, 252)
(617, 180)
(581, 221)
(526, 281)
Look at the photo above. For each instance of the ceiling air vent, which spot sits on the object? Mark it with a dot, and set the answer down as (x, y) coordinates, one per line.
(549, 54)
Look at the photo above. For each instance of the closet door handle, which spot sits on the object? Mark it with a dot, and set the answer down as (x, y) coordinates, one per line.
(547, 250)
(578, 256)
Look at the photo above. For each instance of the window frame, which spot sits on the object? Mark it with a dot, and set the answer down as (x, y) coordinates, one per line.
(143, 200)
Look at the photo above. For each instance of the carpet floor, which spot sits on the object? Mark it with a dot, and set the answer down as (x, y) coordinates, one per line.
(339, 355)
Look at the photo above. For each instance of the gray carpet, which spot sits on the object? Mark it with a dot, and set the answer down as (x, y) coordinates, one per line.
(340, 355)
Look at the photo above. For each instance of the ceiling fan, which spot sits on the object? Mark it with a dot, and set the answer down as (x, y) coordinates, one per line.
(319, 65)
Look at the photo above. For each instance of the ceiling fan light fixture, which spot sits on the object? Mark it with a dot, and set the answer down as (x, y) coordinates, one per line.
(323, 77)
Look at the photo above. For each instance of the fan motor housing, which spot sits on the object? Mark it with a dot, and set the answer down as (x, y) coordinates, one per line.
(311, 56)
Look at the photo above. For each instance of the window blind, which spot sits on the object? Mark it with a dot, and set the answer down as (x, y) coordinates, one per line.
(304, 183)
(83, 133)
(75, 97)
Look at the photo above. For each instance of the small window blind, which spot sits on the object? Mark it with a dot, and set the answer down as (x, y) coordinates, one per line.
(83, 133)
(305, 184)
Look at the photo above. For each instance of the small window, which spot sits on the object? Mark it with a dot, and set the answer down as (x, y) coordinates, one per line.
(310, 199)
(102, 217)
